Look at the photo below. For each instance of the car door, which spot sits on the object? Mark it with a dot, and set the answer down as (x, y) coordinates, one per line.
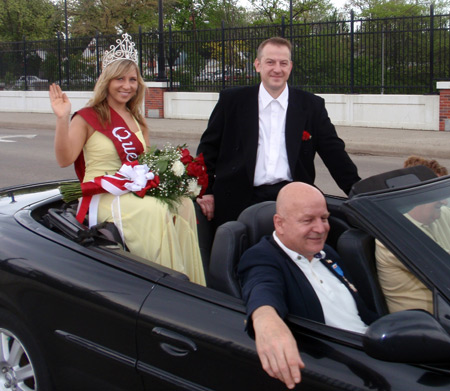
(193, 338)
(81, 305)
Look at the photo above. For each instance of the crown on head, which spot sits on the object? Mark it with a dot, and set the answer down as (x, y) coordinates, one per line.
(125, 50)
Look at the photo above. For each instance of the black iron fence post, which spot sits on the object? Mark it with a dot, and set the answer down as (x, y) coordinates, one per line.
(161, 57)
(140, 50)
(290, 19)
(97, 52)
(352, 51)
(59, 60)
(67, 62)
(431, 48)
(25, 62)
(223, 54)
(170, 58)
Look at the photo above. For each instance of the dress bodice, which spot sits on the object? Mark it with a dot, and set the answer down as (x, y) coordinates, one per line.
(101, 157)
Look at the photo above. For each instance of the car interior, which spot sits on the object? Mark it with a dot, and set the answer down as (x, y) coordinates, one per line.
(222, 250)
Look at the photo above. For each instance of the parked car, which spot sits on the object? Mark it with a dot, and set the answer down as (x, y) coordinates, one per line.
(228, 75)
(31, 81)
(83, 79)
(205, 76)
(78, 312)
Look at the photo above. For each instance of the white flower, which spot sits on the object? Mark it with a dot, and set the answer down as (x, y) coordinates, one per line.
(178, 168)
(193, 187)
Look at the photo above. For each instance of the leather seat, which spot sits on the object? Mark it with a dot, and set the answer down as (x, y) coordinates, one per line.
(230, 242)
(258, 219)
(357, 251)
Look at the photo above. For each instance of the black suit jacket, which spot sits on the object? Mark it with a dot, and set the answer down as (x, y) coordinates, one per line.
(230, 142)
(269, 277)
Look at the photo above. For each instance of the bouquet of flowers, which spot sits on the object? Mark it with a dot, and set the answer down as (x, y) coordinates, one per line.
(167, 174)
(179, 173)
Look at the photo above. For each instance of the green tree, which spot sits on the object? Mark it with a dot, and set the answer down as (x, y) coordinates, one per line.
(205, 14)
(34, 19)
(395, 8)
(111, 16)
(271, 11)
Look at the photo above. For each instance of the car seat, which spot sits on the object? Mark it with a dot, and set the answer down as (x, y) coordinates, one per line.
(357, 251)
(230, 242)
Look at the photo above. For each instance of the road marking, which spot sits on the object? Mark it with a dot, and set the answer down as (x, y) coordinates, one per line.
(5, 139)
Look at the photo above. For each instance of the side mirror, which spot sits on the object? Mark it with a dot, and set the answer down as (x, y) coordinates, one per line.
(412, 336)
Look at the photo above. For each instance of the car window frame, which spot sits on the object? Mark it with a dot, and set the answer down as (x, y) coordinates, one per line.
(368, 213)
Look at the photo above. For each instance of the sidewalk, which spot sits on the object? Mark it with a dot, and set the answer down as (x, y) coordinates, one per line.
(358, 140)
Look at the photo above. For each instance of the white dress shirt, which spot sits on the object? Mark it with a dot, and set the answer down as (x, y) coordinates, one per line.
(271, 159)
(338, 305)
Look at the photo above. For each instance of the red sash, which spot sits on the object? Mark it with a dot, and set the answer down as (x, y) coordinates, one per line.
(126, 142)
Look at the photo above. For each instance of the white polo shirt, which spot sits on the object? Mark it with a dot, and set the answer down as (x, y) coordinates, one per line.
(339, 307)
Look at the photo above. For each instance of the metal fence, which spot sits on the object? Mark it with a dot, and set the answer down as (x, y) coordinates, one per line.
(393, 55)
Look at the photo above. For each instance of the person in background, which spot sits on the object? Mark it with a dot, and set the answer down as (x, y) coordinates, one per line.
(109, 132)
(292, 272)
(261, 137)
(401, 288)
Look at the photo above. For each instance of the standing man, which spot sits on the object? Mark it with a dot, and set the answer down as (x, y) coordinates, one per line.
(260, 138)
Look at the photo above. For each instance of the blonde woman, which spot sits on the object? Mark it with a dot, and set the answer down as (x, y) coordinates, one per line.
(108, 132)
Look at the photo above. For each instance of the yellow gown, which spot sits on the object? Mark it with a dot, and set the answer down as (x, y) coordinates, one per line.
(149, 229)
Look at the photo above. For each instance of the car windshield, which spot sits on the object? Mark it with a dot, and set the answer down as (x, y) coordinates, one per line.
(422, 210)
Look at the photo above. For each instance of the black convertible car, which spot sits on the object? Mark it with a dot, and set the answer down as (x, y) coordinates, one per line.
(79, 312)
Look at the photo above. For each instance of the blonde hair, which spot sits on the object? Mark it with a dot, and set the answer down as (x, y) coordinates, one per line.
(277, 41)
(98, 101)
(430, 163)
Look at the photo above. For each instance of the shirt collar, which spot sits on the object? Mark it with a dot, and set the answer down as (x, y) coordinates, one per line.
(265, 98)
(294, 255)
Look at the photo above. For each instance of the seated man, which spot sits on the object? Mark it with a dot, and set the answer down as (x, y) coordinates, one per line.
(401, 288)
(290, 273)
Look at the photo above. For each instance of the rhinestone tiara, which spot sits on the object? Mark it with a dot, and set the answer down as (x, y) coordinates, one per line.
(125, 50)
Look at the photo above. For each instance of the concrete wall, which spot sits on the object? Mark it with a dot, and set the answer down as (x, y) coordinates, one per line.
(37, 101)
(419, 112)
(388, 111)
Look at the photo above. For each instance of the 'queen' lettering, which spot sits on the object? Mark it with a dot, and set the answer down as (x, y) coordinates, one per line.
(122, 134)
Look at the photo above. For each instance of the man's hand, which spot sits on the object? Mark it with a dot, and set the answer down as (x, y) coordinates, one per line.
(276, 346)
(207, 205)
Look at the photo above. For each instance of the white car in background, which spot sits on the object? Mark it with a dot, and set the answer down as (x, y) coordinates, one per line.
(31, 80)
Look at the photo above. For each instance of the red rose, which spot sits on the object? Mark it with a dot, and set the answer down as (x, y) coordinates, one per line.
(306, 136)
(186, 157)
(197, 168)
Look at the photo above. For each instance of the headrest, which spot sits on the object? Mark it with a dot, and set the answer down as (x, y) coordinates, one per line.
(258, 219)
(392, 179)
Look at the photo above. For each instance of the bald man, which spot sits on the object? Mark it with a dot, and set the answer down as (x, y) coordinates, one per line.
(290, 273)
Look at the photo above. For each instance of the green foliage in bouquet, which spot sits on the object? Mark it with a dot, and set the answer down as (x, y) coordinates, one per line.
(180, 175)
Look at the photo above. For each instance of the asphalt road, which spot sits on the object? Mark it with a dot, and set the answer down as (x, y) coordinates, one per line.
(27, 156)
